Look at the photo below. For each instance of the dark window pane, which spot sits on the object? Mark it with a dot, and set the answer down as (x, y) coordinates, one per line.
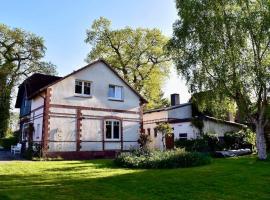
(155, 132)
(108, 129)
(78, 87)
(87, 88)
(182, 134)
(116, 130)
(149, 131)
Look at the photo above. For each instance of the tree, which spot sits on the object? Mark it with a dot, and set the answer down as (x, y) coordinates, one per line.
(166, 130)
(136, 54)
(209, 103)
(20, 55)
(224, 46)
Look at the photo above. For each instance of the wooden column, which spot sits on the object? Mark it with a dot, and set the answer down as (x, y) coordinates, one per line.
(46, 122)
(78, 129)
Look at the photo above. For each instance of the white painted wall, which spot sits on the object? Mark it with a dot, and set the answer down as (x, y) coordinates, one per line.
(181, 112)
(63, 93)
(218, 128)
(101, 76)
(37, 117)
(184, 112)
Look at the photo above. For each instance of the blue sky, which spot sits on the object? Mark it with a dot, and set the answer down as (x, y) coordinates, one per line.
(63, 24)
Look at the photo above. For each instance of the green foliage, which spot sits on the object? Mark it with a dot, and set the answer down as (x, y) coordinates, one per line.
(214, 105)
(209, 142)
(198, 123)
(20, 56)
(144, 141)
(162, 159)
(223, 46)
(166, 130)
(136, 54)
(33, 152)
(240, 139)
(12, 139)
(197, 145)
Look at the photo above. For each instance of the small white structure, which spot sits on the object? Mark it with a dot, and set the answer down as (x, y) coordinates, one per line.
(16, 149)
(180, 117)
(91, 112)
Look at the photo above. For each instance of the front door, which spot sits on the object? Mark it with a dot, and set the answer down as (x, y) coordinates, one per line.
(169, 141)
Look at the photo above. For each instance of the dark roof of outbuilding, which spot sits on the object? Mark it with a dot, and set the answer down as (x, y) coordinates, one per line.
(33, 84)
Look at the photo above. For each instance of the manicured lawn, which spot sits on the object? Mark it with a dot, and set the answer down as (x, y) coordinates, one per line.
(236, 178)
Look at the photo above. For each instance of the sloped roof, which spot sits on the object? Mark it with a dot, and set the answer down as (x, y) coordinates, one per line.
(33, 84)
(90, 65)
(167, 108)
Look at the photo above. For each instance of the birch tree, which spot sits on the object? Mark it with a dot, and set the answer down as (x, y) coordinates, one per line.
(224, 46)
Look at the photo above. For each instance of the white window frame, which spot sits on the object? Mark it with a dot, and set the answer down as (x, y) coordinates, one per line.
(83, 84)
(112, 130)
(114, 98)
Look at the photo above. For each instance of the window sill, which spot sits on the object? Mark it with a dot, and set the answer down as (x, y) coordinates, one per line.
(112, 140)
(112, 99)
(82, 96)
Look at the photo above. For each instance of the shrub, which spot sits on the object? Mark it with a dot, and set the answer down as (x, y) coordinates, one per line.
(144, 140)
(12, 139)
(199, 145)
(209, 142)
(161, 159)
(240, 139)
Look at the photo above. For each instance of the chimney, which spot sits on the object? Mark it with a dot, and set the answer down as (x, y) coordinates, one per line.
(175, 99)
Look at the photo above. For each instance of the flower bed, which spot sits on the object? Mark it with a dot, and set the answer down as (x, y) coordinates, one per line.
(161, 159)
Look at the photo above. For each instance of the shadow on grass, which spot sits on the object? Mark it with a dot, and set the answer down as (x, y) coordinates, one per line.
(101, 179)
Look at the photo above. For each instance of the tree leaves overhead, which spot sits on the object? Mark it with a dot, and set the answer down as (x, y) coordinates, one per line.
(223, 46)
(20, 56)
(137, 54)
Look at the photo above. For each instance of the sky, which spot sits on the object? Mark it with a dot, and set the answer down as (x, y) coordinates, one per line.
(63, 24)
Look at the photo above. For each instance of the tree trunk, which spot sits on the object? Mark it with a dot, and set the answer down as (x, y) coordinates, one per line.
(4, 113)
(260, 141)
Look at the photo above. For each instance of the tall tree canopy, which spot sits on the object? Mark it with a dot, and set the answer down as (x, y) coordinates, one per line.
(224, 46)
(137, 54)
(212, 104)
(20, 56)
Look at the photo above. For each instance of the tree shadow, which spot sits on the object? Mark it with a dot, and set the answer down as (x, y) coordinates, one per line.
(101, 179)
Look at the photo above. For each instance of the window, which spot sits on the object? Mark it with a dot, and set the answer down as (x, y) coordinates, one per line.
(183, 136)
(115, 92)
(83, 87)
(37, 131)
(112, 129)
(155, 132)
(149, 131)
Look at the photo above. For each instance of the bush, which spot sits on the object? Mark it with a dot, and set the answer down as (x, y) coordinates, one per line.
(144, 141)
(199, 145)
(208, 143)
(10, 140)
(161, 159)
(240, 139)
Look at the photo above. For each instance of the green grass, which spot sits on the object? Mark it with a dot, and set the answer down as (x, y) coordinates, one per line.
(234, 178)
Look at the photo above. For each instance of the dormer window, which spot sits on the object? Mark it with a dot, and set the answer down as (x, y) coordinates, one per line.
(83, 87)
(115, 92)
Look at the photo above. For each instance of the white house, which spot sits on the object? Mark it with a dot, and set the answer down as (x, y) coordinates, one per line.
(91, 112)
(180, 117)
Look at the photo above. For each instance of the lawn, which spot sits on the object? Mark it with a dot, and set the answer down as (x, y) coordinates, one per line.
(234, 178)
